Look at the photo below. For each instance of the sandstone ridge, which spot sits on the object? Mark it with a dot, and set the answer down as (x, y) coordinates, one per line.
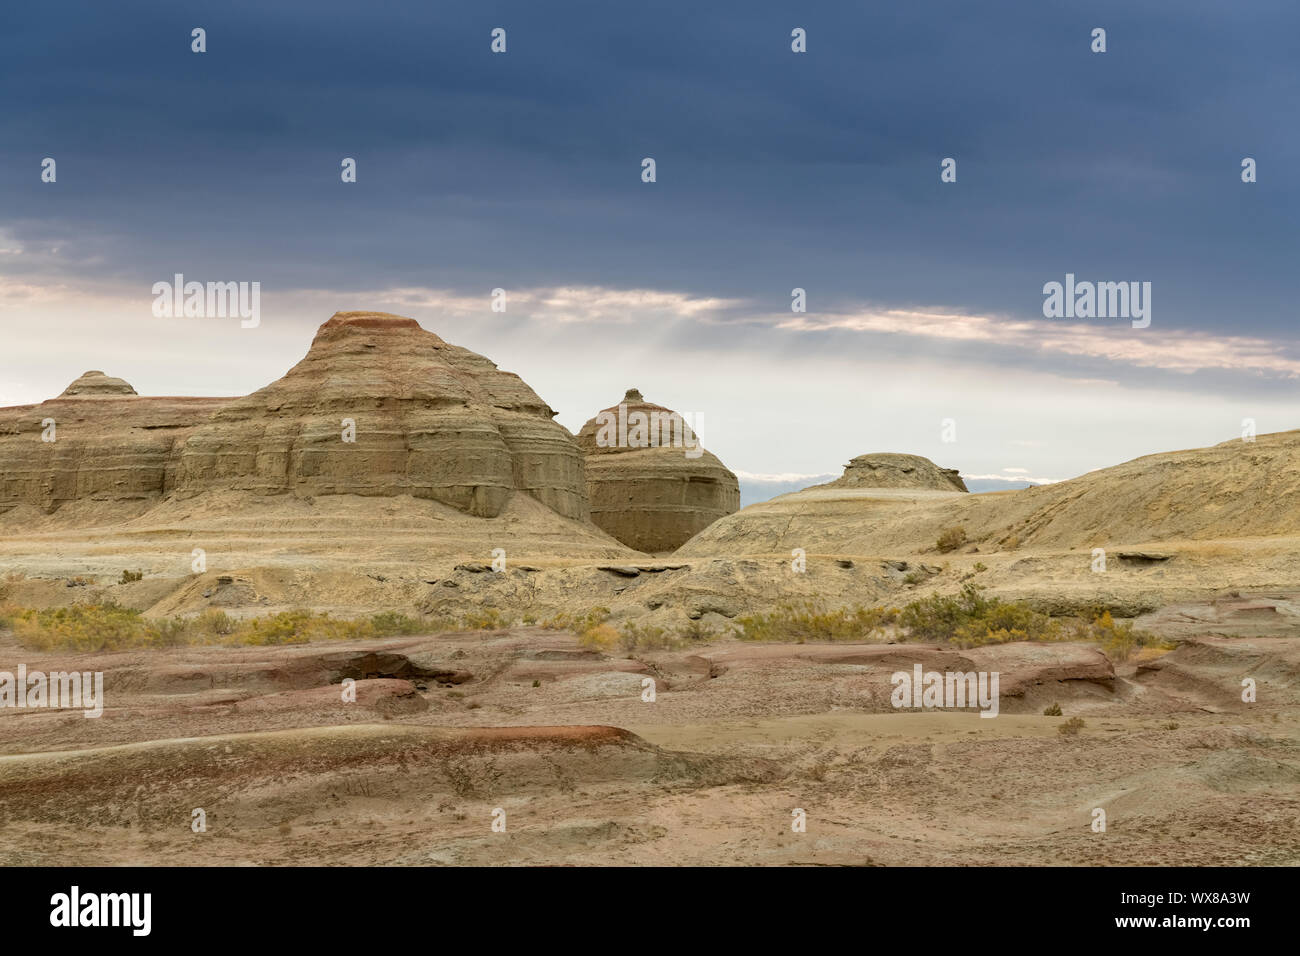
(378, 407)
(1229, 492)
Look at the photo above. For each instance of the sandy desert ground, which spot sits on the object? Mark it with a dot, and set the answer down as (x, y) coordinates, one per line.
(255, 506)
(450, 728)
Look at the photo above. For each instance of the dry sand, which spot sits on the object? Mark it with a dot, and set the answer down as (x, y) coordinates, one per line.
(449, 728)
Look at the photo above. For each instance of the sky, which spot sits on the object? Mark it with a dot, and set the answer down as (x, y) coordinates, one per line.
(924, 330)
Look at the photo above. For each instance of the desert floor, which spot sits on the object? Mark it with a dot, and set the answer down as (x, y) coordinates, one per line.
(448, 729)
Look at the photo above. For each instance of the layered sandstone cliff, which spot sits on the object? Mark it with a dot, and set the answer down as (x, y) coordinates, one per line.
(97, 442)
(378, 407)
(651, 484)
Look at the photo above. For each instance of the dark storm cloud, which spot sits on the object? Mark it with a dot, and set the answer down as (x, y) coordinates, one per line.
(775, 170)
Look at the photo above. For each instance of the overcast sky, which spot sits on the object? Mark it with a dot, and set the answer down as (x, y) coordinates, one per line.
(775, 170)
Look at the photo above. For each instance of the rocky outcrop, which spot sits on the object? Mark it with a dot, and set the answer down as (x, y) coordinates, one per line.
(883, 502)
(888, 470)
(650, 482)
(378, 407)
(96, 384)
(97, 442)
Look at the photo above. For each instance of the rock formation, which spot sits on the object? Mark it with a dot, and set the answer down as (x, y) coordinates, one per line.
(1228, 492)
(430, 419)
(650, 482)
(882, 502)
(888, 470)
(97, 442)
(423, 418)
(94, 384)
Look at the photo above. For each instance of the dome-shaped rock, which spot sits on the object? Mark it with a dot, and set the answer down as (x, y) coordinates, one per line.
(650, 483)
(94, 384)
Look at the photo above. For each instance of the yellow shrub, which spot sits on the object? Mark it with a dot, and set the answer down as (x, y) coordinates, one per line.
(600, 637)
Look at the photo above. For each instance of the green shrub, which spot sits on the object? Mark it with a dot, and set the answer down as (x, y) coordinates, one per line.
(389, 623)
(1118, 639)
(696, 632)
(800, 623)
(577, 622)
(589, 627)
(215, 623)
(652, 637)
(645, 637)
(97, 627)
(970, 619)
(82, 627)
(129, 576)
(1053, 711)
(486, 619)
(287, 627)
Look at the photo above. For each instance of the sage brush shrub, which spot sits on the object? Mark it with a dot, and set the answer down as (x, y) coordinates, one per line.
(598, 637)
(951, 539)
(590, 627)
(966, 619)
(82, 627)
(1071, 726)
(696, 632)
(800, 623)
(388, 623)
(970, 619)
(107, 627)
(645, 637)
(486, 619)
(1118, 639)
